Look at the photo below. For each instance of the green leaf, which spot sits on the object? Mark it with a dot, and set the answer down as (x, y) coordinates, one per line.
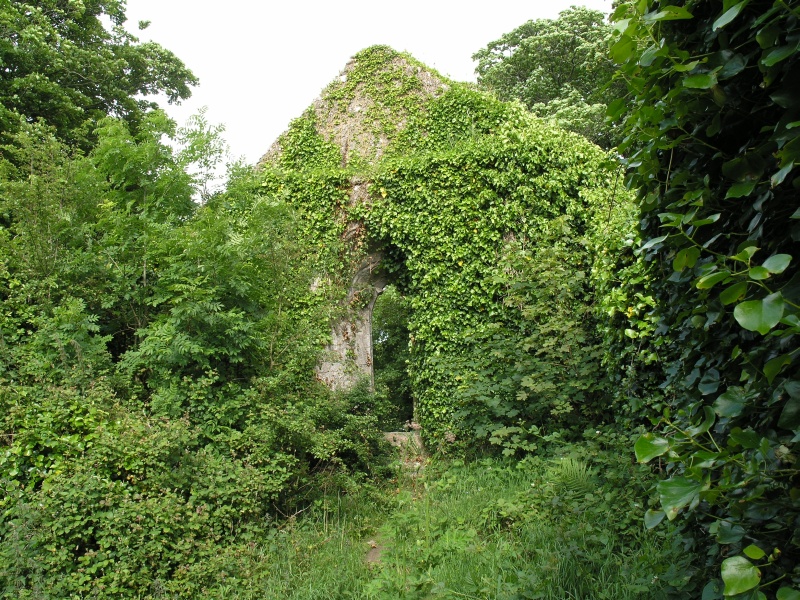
(733, 293)
(774, 366)
(776, 55)
(738, 190)
(786, 593)
(668, 13)
(760, 315)
(777, 263)
(729, 15)
(778, 177)
(712, 590)
(649, 446)
(686, 258)
(728, 533)
(653, 241)
(754, 552)
(790, 416)
(739, 575)
(702, 81)
(622, 50)
(676, 493)
(758, 273)
(708, 281)
(730, 403)
(653, 517)
(704, 425)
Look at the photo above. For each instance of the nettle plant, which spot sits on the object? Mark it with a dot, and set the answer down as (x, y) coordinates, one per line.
(713, 136)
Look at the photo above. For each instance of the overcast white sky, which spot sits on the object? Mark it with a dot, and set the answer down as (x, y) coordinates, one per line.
(261, 63)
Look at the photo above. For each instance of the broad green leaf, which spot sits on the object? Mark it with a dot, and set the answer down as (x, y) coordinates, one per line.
(733, 293)
(778, 177)
(668, 13)
(758, 273)
(653, 517)
(712, 591)
(786, 593)
(738, 190)
(622, 50)
(774, 366)
(754, 552)
(649, 446)
(739, 575)
(707, 221)
(686, 258)
(730, 403)
(729, 15)
(708, 281)
(677, 493)
(746, 438)
(760, 315)
(777, 263)
(745, 254)
(728, 533)
(790, 416)
(776, 55)
(701, 81)
(708, 420)
(653, 241)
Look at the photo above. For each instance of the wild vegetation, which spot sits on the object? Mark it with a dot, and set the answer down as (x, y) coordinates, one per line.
(601, 355)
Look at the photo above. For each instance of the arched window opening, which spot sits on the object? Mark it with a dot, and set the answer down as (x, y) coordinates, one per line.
(394, 403)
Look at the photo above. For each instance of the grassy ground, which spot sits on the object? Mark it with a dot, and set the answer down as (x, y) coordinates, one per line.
(558, 527)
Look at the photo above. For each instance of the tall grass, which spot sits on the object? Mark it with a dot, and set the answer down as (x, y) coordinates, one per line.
(544, 528)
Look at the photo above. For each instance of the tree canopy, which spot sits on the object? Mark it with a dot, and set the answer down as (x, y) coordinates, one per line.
(60, 64)
(558, 68)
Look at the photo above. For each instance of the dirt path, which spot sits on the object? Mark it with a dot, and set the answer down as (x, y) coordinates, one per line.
(413, 457)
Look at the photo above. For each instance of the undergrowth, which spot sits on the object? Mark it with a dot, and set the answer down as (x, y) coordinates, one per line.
(560, 525)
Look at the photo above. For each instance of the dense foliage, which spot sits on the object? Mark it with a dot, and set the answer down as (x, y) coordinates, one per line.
(60, 64)
(560, 69)
(458, 203)
(712, 142)
(157, 398)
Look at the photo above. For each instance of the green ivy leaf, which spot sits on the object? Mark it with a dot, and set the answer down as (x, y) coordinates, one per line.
(730, 403)
(668, 13)
(754, 552)
(739, 575)
(686, 258)
(708, 281)
(790, 416)
(760, 315)
(653, 517)
(653, 241)
(738, 190)
(728, 533)
(786, 593)
(776, 55)
(733, 293)
(777, 263)
(758, 273)
(676, 493)
(649, 446)
(701, 81)
(729, 15)
(774, 366)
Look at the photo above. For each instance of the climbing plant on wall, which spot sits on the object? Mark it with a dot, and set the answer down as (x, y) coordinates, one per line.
(712, 143)
(465, 183)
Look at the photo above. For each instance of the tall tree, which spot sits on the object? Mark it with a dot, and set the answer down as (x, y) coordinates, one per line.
(59, 63)
(559, 68)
